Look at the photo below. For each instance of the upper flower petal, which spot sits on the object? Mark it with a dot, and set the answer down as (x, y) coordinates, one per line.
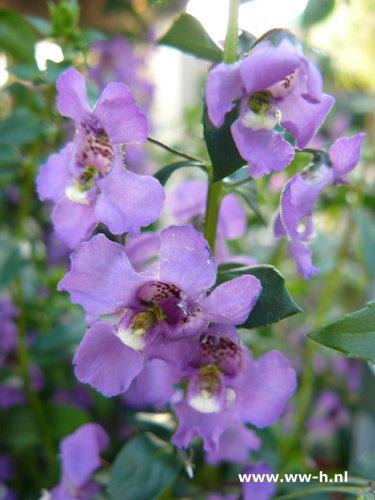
(72, 99)
(186, 260)
(266, 65)
(119, 114)
(54, 176)
(80, 453)
(188, 201)
(232, 301)
(104, 362)
(223, 87)
(102, 279)
(345, 153)
(263, 387)
(128, 201)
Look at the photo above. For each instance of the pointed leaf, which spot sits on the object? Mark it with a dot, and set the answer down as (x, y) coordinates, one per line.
(163, 175)
(354, 335)
(143, 469)
(188, 34)
(224, 155)
(248, 192)
(274, 303)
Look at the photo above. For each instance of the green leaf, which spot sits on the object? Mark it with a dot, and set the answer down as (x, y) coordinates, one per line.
(17, 37)
(143, 469)
(163, 175)
(274, 303)
(40, 24)
(188, 34)
(224, 155)
(11, 261)
(316, 11)
(65, 419)
(25, 72)
(354, 335)
(21, 127)
(19, 431)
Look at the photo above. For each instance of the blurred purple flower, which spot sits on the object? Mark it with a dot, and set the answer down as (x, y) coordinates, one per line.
(116, 60)
(258, 490)
(87, 179)
(8, 328)
(274, 84)
(174, 305)
(329, 414)
(234, 445)
(80, 459)
(12, 392)
(300, 194)
(6, 472)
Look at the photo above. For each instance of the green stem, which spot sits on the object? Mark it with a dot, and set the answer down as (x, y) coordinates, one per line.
(231, 39)
(303, 399)
(40, 418)
(214, 196)
(319, 489)
(215, 190)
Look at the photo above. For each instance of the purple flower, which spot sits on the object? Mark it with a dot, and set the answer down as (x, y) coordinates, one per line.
(234, 445)
(226, 386)
(117, 61)
(87, 179)
(175, 304)
(329, 415)
(275, 84)
(300, 194)
(262, 489)
(80, 459)
(8, 329)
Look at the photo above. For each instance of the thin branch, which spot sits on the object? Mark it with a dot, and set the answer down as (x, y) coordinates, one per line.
(175, 151)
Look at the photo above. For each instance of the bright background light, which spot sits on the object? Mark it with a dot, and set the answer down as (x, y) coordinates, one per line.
(4, 75)
(257, 16)
(47, 50)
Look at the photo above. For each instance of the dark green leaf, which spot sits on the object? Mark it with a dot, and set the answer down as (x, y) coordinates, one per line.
(354, 335)
(274, 303)
(188, 34)
(11, 261)
(163, 175)
(8, 154)
(245, 41)
(21, 127)
(40, 24)
(224, 155)
(143, 469)
(17, 37)
(316, 11)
